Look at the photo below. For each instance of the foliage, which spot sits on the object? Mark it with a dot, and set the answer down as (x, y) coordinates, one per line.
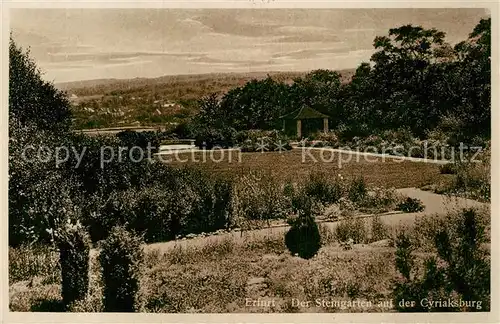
(26, 262)
(303, 238)
(459, 268)
(33, 100)
(379, 230)
(447, 168)
(318, 187)
(351, 228)
(121, 258)
(472, 179)
(183, 202)
(144, 140)
(357, 191)
(74, 248)
(411, 205)
(258, 197)
(41, 197)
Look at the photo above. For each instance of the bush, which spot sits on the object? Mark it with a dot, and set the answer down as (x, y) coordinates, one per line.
(173, 202)
(74, 247)
(448, 168)
(304, 237)
(121, 257)
(473, 180)
(33, 100)
(319, 188)
(411, 205)
(351, 229)
(27, 262)
(357, 190)
(209, 137)
(304, 205)
(143, 140)
(379, 230)
(329, 139)
(380, 200)
(460, 267)
(258, 197)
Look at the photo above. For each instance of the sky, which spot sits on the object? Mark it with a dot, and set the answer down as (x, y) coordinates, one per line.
(84, 44)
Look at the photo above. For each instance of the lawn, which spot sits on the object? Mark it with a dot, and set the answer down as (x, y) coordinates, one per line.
(291, 165)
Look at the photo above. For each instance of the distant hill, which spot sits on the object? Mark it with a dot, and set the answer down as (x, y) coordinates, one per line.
(166, 100)
(105, 86)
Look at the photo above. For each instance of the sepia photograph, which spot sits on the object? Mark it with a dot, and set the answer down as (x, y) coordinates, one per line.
(249, 160)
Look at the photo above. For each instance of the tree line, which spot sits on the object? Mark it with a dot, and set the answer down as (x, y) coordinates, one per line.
(415, 80)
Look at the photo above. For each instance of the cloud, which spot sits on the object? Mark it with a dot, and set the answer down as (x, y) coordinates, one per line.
(310, 53)
(223, 22)
(359, 30)
(114, 56)
(308, 38)
(151, 42)
(205, 59)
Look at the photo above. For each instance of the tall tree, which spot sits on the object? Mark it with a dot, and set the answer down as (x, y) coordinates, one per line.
(33, 100)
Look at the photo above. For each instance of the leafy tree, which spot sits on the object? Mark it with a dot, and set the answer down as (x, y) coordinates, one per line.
(32, 99)
(257, 105)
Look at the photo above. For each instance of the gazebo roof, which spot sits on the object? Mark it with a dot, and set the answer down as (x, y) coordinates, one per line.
(305, 112)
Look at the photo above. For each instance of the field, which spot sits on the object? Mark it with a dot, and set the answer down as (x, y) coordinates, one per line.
(291, 165)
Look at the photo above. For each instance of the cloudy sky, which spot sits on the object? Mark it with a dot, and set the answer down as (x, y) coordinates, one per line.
(82, 44)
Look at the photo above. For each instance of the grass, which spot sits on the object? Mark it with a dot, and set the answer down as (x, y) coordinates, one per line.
(289, 165)
(220, 277)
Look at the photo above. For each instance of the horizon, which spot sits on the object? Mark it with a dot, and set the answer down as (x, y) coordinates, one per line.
(71, 45)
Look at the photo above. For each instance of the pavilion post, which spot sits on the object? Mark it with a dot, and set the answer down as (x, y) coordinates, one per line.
(299, 128)
(325, 125)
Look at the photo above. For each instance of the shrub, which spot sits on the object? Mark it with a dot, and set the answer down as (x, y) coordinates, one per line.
(379, 230)
(27, 262)
(447, 168)
(379, 200)
(33, 100)
(411, 205)
(174, 202)
(130, 139)
(357, 190)
(329, 139)
(318, 187)
(259, 197)
(304, 205)
(121, 257)
(209, 137)
(304, 237)
(351, 228)
(473, 180)
(74, 247)
(289, 189)
(459, 268)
